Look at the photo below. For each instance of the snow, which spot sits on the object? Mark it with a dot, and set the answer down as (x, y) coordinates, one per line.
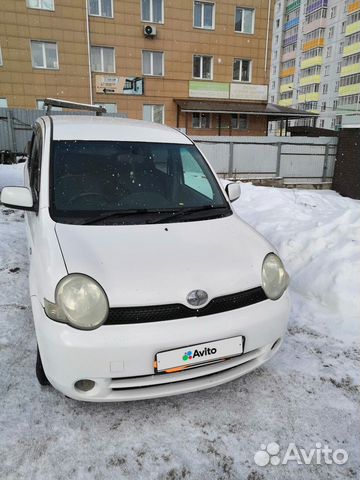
(307, 393)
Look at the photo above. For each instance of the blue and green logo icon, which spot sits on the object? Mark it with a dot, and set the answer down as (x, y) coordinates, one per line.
(187, 356)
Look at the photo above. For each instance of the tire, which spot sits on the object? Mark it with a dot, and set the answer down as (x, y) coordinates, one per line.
(40, 374)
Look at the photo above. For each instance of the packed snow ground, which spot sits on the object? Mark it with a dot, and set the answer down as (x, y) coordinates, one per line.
(307, 393)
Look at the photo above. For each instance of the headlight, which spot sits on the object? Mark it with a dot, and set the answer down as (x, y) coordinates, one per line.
(275, 279)
(79, 301)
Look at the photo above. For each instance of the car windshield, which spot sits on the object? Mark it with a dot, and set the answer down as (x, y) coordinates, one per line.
(97, 182)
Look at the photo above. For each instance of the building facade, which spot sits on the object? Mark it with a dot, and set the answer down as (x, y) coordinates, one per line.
(140, 57)
(316, 58)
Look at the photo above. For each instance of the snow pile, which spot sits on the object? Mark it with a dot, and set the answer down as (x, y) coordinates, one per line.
(317, 234)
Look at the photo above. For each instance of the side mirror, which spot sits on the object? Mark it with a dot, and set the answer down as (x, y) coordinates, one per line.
(17, 197)
(233, 191)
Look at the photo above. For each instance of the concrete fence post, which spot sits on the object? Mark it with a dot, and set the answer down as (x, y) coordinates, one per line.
(278, 160)
(326, 163)
(231, 159)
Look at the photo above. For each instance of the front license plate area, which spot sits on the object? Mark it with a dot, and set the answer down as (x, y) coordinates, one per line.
(178, 359)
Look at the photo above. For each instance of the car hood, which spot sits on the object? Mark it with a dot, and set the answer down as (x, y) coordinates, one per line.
(161, 263)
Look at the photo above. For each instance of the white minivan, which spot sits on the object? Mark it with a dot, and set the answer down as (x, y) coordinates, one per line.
(143, 281)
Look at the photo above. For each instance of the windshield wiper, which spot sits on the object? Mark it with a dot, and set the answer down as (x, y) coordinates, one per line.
(117, 213)
(185, 211)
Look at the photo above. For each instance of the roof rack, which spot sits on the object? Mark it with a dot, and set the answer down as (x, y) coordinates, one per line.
(53, 102)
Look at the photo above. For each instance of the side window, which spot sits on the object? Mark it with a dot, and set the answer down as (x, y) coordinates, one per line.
(194, 176)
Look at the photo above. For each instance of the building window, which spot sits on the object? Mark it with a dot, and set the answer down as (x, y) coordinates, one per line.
(325, 88)
(103, 59)
(323, 106)
(44, 55)
(244, 20)
(239, 122)
(3, 103)
(333, 12)
(242, 70)
(110, 107)
(328, 52)
(343, 27)
(327, 70)
(331, 32)
(338, 68)
(277, 23)
(335, 102)
(201, 120)
(321, 123)
(41, 4)
(154, 113)
(40, 106)
(152, 11)
(1, 58)
(336, 88)
(202, 67)
(153, 63)
(204, 15)
(101, 8)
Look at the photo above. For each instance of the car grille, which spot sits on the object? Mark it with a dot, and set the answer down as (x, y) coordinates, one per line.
(162, 313)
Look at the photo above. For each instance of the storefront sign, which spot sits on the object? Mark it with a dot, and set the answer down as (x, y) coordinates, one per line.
(246, 91)
(208, 89)
(111, 84)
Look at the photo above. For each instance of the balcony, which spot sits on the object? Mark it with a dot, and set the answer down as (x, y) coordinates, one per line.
(350, 70)
(311, 62)
(293, 6)
(290, 40)
(349, 90)
(317, 42)
(287, 72)
(315, 6)
(288, 56)
(353, 7)
(287, 87)
(310, 79)
(351, 49)
(309, 97)
(287, 102)
(314, 25)
(290, 24)
(352, 28)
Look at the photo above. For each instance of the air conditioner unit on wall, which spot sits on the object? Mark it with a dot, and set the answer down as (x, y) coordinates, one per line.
(149, 31)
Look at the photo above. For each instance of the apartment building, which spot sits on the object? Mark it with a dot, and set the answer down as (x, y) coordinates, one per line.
(316, 58)
(199, 65)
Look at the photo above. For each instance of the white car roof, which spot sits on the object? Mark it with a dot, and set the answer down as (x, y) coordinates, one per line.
(83, 127)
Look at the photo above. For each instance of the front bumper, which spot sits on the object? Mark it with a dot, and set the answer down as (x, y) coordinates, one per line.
(120, 358)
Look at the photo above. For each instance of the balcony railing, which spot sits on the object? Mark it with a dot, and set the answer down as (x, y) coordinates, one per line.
(293, 6)
(315, 6)
(291, 23)
(290, 40)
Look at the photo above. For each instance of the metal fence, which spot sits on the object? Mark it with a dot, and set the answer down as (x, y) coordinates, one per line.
(292, 159)
(16, 125)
